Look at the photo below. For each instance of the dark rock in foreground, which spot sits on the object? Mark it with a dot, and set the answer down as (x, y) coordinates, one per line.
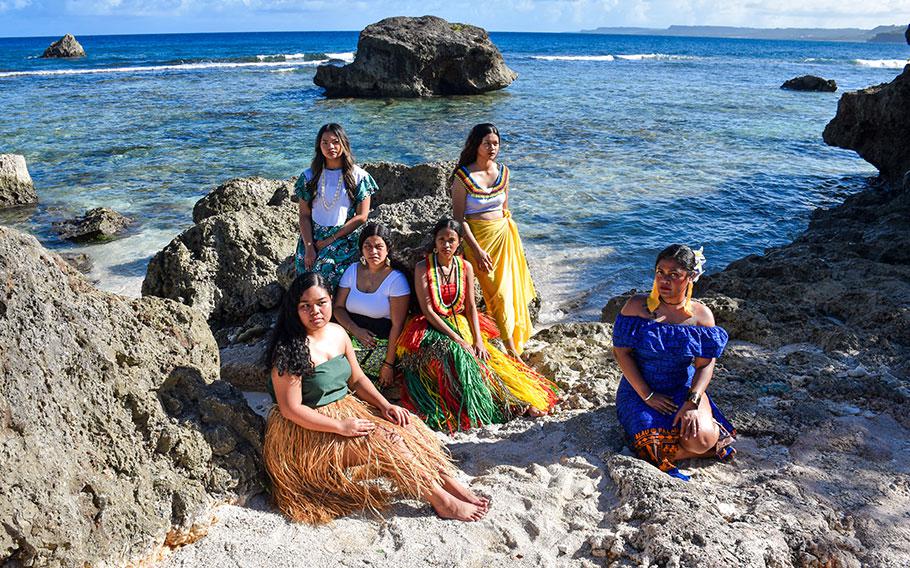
(844, 284)
(418, 57)
(97, 224)
(67, 46)
(810, 83)
(875, 122)
(16, 186)
(115, 436)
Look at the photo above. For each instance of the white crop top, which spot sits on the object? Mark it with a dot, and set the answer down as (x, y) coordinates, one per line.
(474, 204)
(483, 199)
(375, 305)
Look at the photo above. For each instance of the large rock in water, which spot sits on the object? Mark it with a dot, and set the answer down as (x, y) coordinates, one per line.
(16, 186)
(115, 436)
(418, 57)
(67, 46)
(875, 122)
(810, 83)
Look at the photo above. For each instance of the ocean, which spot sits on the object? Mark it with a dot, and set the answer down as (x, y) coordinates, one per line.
(618, 145)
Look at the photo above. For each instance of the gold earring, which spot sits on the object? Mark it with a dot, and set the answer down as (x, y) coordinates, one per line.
(435, 251)
(363, 261)
(388, 262)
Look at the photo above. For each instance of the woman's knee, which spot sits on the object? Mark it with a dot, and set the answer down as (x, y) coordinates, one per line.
(704, 440)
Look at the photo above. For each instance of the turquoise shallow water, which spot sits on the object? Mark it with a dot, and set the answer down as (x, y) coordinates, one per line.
(618, 145)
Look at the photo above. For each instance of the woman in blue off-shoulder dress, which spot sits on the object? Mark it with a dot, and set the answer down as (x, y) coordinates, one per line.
(666, 345)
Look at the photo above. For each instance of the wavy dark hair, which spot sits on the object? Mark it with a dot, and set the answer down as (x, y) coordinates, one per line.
(475, 137)
(442, 224)
(683, 255)
(347, 160)
(289, 348)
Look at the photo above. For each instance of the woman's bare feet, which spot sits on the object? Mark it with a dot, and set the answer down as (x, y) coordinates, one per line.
(535, 412)
(459, 491)
(448, 506)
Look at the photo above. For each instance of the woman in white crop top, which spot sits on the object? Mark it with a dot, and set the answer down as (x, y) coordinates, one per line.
(480, 198)
(372, 304)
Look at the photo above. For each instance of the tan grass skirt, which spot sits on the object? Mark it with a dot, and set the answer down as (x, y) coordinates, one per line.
(318, 476)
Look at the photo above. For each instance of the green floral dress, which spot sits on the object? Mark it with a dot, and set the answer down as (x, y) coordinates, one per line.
(331, 204)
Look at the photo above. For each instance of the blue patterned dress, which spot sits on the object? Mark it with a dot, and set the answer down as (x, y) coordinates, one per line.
(664, 354)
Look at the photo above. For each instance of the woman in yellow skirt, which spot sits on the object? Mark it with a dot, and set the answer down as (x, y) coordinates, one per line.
(480, 198)
(332, 434)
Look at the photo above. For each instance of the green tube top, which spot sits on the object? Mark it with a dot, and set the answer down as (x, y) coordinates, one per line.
(328, 384)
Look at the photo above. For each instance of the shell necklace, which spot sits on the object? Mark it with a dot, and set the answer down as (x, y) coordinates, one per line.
(328, 206)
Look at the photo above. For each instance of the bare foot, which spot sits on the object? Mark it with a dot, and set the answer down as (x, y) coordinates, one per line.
(449, 507)
(535, 412)
(459, 491)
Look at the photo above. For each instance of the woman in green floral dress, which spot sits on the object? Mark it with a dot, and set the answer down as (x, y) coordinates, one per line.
(334, 200)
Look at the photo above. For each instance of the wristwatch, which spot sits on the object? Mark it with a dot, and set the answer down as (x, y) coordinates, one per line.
(694, 397)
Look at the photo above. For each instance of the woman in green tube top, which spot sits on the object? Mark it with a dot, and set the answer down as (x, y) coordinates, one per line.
(324, 447)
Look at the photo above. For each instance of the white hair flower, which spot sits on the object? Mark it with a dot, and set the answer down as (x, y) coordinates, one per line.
(699, 268)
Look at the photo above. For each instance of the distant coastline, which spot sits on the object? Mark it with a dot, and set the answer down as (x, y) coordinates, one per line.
(879, 34)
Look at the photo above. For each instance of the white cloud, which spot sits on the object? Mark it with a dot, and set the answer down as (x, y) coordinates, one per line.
(7, 5)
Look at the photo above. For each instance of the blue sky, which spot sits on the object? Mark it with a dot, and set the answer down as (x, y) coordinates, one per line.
(55, 17)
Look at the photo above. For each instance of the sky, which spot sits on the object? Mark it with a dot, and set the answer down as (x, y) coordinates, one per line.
(22, 18)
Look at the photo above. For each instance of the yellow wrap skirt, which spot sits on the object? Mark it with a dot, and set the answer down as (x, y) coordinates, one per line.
(507, 289)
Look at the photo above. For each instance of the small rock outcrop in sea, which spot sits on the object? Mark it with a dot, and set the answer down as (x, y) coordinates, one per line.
(875, 122)
(115, 435)
(67, 46)
(418, 57)
(810, 83)
(100, 223)
(16, 186)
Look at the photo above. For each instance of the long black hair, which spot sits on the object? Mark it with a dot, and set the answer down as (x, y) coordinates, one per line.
(475, 137)
(683, 255)
(289, 350)
(383, 232)
(347, 160)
